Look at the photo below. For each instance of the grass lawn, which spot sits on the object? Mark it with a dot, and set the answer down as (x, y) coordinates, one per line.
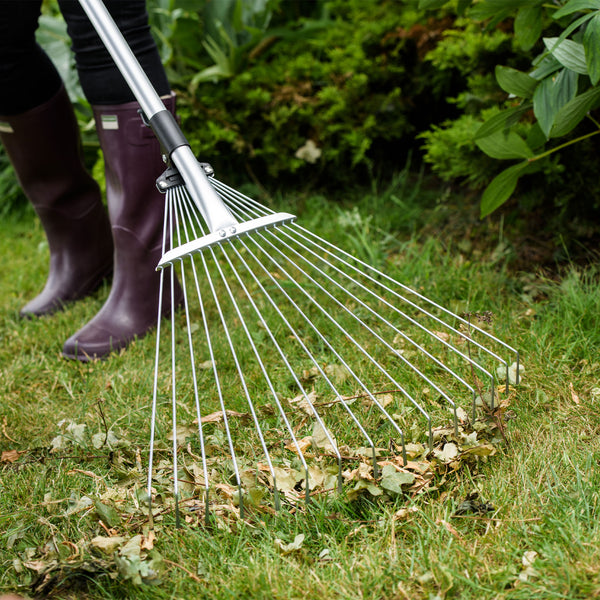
(522, 522)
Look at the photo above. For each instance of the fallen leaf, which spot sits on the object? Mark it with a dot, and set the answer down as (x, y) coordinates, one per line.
(108, 514)
(292, 546)
(337, 373)
(451, 530)
(10, 456)
(404, 513)
(574, 396)
(304, 402)
(448, 453)
(286, 479)
(392, 480)
(217, 416)
(527, 562)
(501, 371)
(481, 450)
(107, 544)
(303, 444)
(321, 439)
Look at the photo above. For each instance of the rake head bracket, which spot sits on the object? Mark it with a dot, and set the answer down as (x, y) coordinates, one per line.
(224, 235)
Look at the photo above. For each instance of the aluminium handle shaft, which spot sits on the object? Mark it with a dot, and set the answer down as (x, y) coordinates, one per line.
(214, 211)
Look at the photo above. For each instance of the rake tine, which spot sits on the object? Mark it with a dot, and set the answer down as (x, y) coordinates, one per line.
(326, 341)
(239, 200)
(175, 196)
(277, 402)
(294, 284)
(155, 382)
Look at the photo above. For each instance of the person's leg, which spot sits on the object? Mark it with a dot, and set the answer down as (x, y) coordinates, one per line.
(27, 76)
(133, 162)
(39, 132)
(101, 81)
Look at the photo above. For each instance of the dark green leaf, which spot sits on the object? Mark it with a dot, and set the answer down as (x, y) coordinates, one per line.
(515, 82)
(504, 145)
(462, 6)
(551, 95)
(431, 4)
(568, 53)
(576, 6)
(481, 12)
(591, 46)
(536, 138)
(502, 121)
(574, 111)
(501, 188)
(528, 26)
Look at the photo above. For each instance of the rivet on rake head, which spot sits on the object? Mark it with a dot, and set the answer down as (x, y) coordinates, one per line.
(222, 232)
(232, 230)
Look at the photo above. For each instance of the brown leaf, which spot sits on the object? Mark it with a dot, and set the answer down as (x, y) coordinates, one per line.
(304, 402)
(451, 530)
(304, 444)
(574, 396)
(10, 456)
(217, 417)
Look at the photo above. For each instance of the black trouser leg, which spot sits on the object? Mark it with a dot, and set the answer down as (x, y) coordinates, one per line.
(101, 81)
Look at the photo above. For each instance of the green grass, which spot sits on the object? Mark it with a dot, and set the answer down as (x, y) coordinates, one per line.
(543, 482)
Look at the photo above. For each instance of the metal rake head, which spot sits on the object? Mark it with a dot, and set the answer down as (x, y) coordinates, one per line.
(324, 356)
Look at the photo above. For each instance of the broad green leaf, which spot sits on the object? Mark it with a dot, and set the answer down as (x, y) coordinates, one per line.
(502, 121)
(568, 53)
(431, 4)
(576, 6)
(551, 95)
(574, 111)
(575, 25)
(504, 145)
(546, 65)
(491, 8)
(501, 188)
(591, 46)
(528, 26)
(536, 138)
(515, 82)
(462, 6)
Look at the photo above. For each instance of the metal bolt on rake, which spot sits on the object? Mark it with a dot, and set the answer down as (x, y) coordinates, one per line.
(263, 310)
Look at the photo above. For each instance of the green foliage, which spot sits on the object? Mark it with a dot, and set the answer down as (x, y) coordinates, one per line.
(324, 95)
(555, 96)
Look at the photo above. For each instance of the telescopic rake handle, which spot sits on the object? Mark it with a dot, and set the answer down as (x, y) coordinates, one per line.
(215, 213)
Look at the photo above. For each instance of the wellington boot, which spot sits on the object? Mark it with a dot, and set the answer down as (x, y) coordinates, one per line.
(132, 162)
(44, 147)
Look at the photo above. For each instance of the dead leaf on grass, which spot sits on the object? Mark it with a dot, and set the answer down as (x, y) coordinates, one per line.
(218, 416)
(292, 546)
(305, 402)
(10, 456)
(322, 439)
(574, 395)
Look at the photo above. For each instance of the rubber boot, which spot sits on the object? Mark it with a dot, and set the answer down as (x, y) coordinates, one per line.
(133, 162)
(44, 147)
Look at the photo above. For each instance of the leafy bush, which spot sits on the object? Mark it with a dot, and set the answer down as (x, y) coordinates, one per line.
(544, 110)
(338, 93)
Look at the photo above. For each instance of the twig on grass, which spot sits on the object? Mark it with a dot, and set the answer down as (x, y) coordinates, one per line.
(192, 575)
